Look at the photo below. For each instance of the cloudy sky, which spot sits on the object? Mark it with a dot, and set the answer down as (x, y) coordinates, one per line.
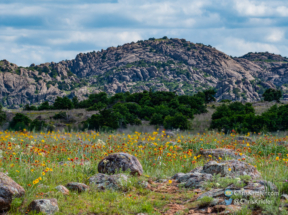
(39, 31)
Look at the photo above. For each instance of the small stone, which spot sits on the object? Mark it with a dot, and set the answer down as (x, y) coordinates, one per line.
(45, 206)
(80, 187)
(62, 189)
(170, 134)
(284, 196)
(243, 138)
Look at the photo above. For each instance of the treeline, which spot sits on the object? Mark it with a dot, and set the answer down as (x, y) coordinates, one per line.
(242, 118)
(160, 108)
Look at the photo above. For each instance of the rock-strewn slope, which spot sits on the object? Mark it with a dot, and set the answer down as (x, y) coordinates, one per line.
(162, 64)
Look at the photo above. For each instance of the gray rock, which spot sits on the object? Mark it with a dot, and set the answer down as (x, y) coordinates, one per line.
(243, 138)
(213, 193)
(113, 182)
(79, 187)
(116, 162)
(45, 206)
(214, 168)
(221, 153)
(8, 190)
(62, 189)
(237, 168)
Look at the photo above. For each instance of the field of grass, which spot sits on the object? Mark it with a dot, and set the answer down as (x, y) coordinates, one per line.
(32, 160)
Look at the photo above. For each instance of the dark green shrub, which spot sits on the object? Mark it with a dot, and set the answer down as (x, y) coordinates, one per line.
(225, 101)
(19, 122)
(60, 115)
(97, 106)
(156, 119)
(27, 107)
(2, 115)
(63, 103)
(37, 125)
(146, 112)
(45, 106)
(178, 121)
(272, 95)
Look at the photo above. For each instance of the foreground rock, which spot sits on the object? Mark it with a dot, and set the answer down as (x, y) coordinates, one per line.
(113, 182)
(14, 188)
(114, 163)
(222, 153)
(192, 180)
(8, 190)
(44, 206)
(80, 187)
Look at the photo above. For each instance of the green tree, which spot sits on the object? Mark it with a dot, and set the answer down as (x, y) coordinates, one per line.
(97, 106)
(75, 102)
(45, 106)
(2, 115)
(178, 121)
(63, 103)
(19, 122)
(156, 119)
(272, 95)
(37, 125)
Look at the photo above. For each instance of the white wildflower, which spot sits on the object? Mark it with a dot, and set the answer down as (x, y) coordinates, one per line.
(101, 143)
(32, 142)
(12, 139)
(17, 147)
(217, 184)
(238, 179)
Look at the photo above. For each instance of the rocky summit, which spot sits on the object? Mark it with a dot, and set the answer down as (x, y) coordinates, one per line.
(160, 64)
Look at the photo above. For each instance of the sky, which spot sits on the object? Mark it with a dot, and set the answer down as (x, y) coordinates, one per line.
(40, 31)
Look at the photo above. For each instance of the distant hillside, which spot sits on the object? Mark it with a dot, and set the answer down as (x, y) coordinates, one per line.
(160, 64)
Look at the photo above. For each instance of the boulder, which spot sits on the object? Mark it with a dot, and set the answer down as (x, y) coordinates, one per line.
(44, 206)
(5, 198)
(113, 182)
(8, 190)
(192, 180)
(117, 162)
(15, 189)
(80, 187)
(235, 168)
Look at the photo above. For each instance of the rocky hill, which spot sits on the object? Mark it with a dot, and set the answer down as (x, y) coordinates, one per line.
(160, 64)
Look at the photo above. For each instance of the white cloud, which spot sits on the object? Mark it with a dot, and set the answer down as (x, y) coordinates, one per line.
(22, 10)
(237, 46)
(261, 8)
(276, 36)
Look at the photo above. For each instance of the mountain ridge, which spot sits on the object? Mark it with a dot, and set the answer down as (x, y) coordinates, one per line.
(160, 64)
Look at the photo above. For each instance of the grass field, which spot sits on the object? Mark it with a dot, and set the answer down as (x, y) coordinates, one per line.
(32, 160)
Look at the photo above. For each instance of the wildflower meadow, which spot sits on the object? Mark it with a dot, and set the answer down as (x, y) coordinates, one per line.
(39, 162)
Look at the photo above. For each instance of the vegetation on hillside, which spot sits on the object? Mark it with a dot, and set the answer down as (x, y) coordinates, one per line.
(160, 108)
(242, 118)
